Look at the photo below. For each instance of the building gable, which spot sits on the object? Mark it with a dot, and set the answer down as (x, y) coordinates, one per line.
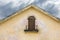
(14, 27)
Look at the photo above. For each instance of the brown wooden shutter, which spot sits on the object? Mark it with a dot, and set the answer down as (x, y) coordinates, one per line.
(31, 23)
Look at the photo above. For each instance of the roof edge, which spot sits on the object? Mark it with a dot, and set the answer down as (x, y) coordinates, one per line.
(25, 8)
(46, 13)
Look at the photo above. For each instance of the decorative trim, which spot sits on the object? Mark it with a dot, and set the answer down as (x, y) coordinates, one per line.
(27, 7)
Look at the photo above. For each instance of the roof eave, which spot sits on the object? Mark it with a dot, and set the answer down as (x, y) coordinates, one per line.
(39, 9)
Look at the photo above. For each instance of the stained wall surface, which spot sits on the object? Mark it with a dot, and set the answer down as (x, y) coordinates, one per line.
(13, 28)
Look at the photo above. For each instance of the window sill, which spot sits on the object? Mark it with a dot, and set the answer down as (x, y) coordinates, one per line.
(36, 30)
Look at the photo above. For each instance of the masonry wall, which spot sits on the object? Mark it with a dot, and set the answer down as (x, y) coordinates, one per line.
(13, 28)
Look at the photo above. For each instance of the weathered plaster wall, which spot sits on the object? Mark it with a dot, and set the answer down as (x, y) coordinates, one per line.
(13, 29)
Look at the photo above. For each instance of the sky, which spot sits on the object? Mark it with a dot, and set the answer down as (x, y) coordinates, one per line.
(8, 7)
